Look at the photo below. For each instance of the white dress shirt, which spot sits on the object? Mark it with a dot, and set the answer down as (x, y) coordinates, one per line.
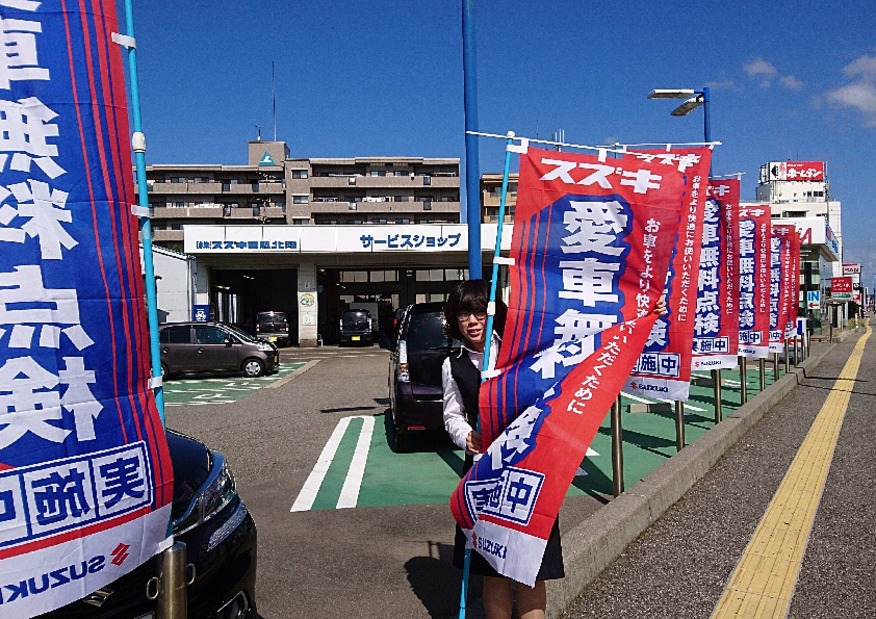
(454, 414)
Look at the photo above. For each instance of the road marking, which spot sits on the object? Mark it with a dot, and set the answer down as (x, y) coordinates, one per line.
(763, 583)
(642, 400)
(353, 481)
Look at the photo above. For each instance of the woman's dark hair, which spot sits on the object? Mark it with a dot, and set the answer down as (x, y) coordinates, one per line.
(471, 296)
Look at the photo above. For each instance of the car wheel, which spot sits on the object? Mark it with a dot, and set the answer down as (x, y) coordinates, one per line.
(165, 372)
(253, 367)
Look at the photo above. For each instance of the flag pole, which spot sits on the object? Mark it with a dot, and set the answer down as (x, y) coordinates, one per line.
(138, 141)
(471, 214)
(491, 312)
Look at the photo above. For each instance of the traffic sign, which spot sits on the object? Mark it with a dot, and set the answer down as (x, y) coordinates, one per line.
(813, 299)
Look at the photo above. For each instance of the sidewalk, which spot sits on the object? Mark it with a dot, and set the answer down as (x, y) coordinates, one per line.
(652, 489)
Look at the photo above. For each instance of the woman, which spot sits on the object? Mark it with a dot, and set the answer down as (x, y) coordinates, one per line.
(465, 314)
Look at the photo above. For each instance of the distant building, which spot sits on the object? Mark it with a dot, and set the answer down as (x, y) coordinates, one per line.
(800, 191)
(275, 189)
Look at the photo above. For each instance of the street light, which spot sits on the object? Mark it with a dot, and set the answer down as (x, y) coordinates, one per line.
(694, 99)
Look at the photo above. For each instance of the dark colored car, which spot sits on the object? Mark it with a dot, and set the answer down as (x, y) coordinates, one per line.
(273, 327)
(213, 346)
(220, 537)
(357, 327)
(415, 391)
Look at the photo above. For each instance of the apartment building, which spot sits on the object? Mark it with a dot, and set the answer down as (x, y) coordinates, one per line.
(274, 189)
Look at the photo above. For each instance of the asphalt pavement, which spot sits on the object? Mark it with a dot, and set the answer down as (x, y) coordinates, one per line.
(394, 561)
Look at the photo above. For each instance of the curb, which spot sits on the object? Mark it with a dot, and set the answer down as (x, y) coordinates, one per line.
(293, 374)
(595, 543)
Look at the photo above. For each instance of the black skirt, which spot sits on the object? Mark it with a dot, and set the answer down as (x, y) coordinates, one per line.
(551, 564)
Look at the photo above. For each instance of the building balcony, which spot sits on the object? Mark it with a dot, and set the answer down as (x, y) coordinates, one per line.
(166, 236)
(199, 212)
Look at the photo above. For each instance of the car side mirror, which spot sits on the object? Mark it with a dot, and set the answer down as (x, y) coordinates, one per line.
(229, 341)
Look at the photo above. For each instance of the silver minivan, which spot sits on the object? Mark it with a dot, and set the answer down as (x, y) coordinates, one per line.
(213, 346)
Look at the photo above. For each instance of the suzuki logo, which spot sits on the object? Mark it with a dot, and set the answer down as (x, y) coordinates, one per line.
(120, 554)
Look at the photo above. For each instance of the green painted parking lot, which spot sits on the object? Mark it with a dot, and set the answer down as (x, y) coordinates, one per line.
(357, 467)
(219, 389)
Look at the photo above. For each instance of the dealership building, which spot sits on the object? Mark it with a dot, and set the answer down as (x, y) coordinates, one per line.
(308, 237)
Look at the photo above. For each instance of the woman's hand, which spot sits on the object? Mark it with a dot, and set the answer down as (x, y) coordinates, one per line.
(660, 308)
(473, 443)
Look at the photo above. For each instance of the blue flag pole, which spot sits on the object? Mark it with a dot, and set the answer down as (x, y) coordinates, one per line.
(139, 144)
(491, 312)
(471, 216)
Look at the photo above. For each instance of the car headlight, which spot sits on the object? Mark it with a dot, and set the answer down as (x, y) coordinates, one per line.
(217, 492)
(264, 347)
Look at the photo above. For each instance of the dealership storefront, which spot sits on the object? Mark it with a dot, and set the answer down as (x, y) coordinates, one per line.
(313, 272)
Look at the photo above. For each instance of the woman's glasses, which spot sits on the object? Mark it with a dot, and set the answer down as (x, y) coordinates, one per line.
(467, 315)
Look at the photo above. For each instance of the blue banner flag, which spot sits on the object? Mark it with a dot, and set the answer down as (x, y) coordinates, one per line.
(85, 475)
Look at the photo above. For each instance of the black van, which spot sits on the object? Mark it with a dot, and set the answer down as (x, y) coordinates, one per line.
(416, 356)
(357, 327)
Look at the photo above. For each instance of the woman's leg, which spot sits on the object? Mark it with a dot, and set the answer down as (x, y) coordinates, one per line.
(531, 602)
(498, 598)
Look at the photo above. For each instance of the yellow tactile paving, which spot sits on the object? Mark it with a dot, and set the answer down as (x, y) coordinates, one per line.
(762, 585)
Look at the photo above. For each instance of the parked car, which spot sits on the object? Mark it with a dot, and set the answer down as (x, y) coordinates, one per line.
(415, 392)
(273, 327)
(220, 536)
(213, 346)
(357, 327)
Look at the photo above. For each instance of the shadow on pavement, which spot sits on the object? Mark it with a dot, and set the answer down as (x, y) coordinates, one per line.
(436, 583)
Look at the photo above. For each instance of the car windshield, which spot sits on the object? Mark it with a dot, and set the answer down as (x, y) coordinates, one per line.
(426, 332)
(271, 317)
(246, 337)
(355, 320)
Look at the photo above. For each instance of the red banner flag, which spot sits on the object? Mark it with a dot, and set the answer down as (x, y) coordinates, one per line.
(754, 280)
(663, 369)
(591, 246)
(716, 332)
(780, 285)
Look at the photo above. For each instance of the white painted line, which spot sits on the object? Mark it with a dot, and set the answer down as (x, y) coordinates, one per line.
(687, 406)
(353, 483)
(590, 453)
(311, 487)
(637, 398)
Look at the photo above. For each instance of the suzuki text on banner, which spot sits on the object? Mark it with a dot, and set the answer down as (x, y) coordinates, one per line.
(663, 369)
(716, 328)
(754, 280)
(85, 475)
(591, 246)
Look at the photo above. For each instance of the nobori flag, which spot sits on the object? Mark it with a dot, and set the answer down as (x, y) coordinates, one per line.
(794, 281)
(591, 247)
(781, 264)
(754, 280)
(716, 327)
(85, 474)
(663, 368)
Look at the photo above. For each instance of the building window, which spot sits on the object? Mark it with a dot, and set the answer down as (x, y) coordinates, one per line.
(300, 199)
(378, 220)
(177, 204)
(255, 185)
(300, 222)
(299, 173)
(378, 172)
(427, 205)
(403, 220)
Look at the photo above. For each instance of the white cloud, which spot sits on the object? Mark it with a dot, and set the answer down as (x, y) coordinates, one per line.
(767, 73)
(761, 68)
(790, 82)
(860, 94)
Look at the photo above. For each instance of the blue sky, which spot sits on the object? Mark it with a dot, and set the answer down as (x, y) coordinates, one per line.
(788, 80)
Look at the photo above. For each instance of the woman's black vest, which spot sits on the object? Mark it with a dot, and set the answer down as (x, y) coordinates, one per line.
(468, 379)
